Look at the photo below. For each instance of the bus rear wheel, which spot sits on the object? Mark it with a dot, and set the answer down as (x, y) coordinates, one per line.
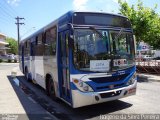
(51, 89)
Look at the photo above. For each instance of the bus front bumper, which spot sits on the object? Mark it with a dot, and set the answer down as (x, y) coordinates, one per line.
(83, 99)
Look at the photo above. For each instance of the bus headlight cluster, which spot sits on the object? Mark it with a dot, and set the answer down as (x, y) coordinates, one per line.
(132, 80)
(82, 86)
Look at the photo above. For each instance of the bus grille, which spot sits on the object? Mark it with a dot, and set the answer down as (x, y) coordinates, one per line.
(107, 87)
(109, 79)
(110, 94)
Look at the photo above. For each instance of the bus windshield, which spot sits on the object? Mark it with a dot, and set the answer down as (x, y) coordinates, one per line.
(103, 50)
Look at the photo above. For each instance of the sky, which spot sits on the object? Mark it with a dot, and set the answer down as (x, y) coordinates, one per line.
(39, 13)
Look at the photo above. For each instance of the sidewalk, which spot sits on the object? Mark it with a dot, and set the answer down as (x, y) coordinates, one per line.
(148, 77)
(9, 102)
(14, 101)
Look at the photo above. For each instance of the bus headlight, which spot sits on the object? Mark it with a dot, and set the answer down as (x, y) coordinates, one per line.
(82, 86)
(132, 80)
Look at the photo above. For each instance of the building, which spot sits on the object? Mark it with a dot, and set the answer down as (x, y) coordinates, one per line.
(3, 44)
(144, 49)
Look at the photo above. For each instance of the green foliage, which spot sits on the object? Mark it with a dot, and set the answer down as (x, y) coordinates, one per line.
(145, 22)
(13, 45)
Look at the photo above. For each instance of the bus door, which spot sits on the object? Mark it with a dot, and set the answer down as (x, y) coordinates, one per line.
(64, 82)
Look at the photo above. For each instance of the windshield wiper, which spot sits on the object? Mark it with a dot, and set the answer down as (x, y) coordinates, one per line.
(99, 33)
(104, 37)
(119, 34)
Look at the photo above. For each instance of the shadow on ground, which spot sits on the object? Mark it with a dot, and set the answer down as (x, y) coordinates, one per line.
(142, 78)
(60, 109)
(29, 105)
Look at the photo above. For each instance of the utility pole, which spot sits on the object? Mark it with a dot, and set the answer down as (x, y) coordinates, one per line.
(18, 23)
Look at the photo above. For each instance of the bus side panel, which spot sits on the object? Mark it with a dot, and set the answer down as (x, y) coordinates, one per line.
(50, 67)
(32, 68)
(26, 56)
(39, 70)
(32, 61)
(50, 56)
(26, 63)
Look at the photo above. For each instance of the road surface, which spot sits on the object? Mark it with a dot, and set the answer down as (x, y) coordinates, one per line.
(146, 101)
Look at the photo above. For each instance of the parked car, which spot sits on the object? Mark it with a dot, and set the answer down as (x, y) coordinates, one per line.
(144, 57)
(147, 57)
(11, 56)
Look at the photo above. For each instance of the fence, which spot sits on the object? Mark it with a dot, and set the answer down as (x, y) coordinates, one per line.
(152, 66)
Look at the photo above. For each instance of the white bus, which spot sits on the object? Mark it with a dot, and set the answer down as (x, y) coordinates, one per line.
(82, 58)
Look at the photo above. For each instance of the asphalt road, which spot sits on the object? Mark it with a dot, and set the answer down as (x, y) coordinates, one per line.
(146, 101)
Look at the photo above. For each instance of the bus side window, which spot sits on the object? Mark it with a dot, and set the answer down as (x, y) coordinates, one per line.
(33, 45)
(50, 41)
(39, 45)
(26, 48)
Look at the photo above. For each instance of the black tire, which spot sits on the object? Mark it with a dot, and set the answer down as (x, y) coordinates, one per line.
(51, 89)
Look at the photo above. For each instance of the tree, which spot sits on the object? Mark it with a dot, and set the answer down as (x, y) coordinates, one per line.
(13, 45)
(145, 22)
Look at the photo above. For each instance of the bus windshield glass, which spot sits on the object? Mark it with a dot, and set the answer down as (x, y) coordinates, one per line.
(103, 50)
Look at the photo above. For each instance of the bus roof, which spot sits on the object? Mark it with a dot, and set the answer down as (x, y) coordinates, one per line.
(69, 13)
(99, 12)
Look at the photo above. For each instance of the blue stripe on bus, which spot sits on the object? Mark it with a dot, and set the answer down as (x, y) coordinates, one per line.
(94, 85)
(73, 86)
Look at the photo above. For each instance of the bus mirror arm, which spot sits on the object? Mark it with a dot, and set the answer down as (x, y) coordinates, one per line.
(71, 41)
(71, 38)
(71, 26)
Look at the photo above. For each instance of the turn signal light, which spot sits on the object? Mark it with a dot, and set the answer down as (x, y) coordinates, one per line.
(75, 81)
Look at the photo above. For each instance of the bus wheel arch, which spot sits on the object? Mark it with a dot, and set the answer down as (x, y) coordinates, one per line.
(50, 88)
